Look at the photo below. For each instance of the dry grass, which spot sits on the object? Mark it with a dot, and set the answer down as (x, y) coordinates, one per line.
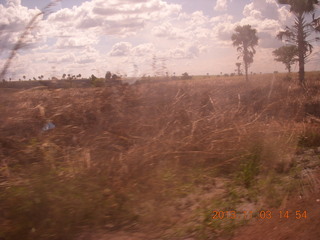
(119, 155)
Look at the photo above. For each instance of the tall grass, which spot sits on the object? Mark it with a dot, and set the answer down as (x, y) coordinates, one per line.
(119, 155)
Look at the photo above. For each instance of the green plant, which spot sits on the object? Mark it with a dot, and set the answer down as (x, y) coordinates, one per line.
(97, 82)
(250, 168)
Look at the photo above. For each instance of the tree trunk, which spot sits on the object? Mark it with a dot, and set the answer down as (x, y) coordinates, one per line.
(246, 70)
(301, 47)
(245, 60)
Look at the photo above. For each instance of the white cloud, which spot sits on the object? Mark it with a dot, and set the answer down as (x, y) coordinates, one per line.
(221, 5)
(13, 21)
(143, 50)
(167, 30)
(186, 50)
(13, 2)
(117, 17)
(121, 49)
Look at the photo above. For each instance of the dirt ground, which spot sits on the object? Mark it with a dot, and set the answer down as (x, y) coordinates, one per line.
(288, 228)
(275, 228)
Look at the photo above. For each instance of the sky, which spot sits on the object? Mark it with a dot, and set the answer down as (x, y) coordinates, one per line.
(140, 37)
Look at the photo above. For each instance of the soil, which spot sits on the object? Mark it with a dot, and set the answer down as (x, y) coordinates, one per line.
(288, 228)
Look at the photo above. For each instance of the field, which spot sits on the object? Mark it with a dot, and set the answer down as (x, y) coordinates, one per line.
(155, 160)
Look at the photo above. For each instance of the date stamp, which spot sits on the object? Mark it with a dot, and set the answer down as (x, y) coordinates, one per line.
(263, 214)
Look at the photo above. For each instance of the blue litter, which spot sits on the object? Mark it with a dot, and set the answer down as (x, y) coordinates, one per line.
(48, 126)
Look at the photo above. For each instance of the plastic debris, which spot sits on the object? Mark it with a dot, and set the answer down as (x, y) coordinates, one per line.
(48, 126)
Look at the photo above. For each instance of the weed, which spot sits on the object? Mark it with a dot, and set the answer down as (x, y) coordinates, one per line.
(250, 168)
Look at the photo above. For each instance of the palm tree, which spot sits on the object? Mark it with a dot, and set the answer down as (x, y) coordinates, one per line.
(64, 75)
(24, 77)
(245, 39)
(300, 31)
(238, 68)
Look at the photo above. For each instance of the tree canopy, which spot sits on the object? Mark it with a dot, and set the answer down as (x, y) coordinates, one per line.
(300, 6)
(287, 55)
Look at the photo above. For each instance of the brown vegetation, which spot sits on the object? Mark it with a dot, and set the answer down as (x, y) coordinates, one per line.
(130, 157)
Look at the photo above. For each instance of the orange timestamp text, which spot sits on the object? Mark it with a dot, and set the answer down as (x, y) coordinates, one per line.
(263, 214)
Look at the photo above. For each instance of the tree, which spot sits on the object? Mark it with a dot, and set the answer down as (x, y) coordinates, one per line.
(301, 30)
(64, 76)
(24, 77)
(245, 39)
(287, 55)
(115, 77)
(238, 68)
(108, 76)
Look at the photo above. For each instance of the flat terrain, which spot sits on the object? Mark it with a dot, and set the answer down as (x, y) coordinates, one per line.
(155, 160)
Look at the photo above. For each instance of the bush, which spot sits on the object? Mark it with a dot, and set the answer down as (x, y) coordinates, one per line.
(97, 82)
(185, 76)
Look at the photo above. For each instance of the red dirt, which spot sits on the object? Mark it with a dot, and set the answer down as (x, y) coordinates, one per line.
(288, 228)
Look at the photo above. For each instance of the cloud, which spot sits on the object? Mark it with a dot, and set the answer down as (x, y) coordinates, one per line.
(13, 21)
(186, 50)
(13, 2)
(143, 50)
(126, 49)
(120, 49)
(221, 5)
(118, 17)
(75, 42)
(223, 27)
(167, 30)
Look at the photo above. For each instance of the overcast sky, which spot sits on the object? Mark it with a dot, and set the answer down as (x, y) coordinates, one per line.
(137, 37)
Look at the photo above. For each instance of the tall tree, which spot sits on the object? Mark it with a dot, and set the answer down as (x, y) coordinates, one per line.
(287, 55)
(299, 33)
(245, 39)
